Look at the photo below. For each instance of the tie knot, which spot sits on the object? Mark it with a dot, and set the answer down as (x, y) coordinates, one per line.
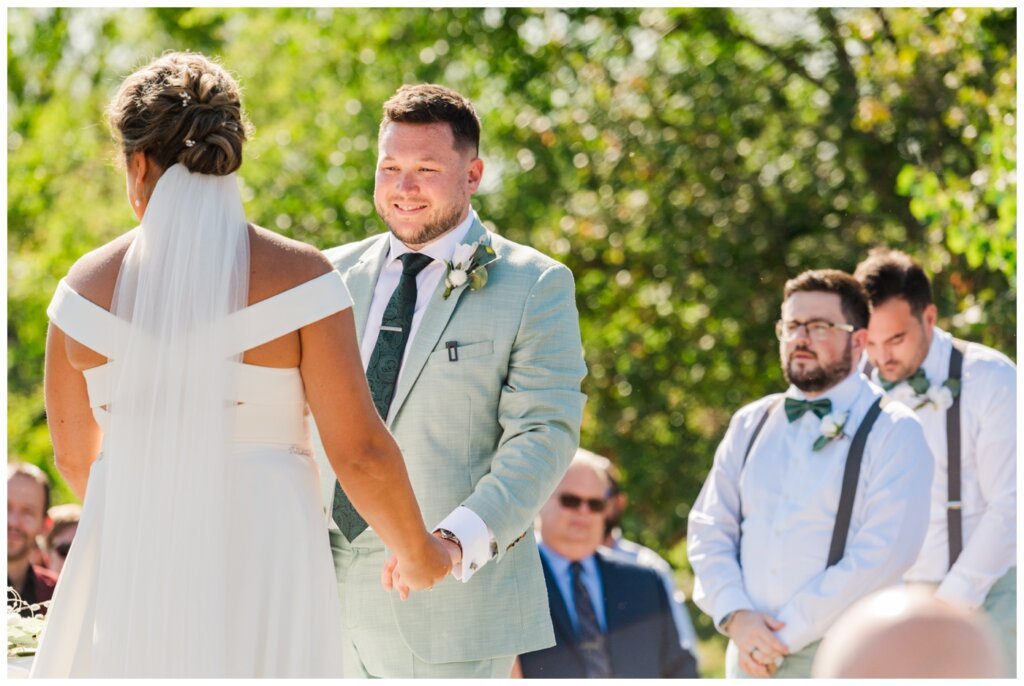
(413, 263)
(796, 408)
(575, 569)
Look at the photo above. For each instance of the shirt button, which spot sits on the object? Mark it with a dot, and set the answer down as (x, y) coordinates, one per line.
(472, 566)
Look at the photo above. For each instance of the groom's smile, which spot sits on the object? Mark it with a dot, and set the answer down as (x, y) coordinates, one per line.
(423, 181)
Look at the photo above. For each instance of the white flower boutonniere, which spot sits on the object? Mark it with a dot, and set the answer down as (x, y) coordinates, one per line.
(831, 427)
(468, 265)
(940, 396)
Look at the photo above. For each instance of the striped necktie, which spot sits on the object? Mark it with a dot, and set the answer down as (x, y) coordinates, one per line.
(593, 642)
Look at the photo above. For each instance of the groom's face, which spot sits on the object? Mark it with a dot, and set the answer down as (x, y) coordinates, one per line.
(423, 181)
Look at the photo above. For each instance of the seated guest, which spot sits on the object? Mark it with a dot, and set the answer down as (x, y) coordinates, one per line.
(644, 556)
(28, 498)
(612, 617)
(906, 632)
(64, 524)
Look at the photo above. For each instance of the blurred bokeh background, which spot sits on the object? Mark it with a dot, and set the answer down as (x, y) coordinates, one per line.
(682, 162)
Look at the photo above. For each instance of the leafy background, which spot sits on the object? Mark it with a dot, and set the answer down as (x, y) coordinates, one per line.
(683, 162)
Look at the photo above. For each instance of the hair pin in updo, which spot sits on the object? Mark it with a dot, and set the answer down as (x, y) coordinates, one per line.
(189, 142)
(185, 98)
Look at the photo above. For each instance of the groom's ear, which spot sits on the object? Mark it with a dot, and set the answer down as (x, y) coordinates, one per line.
(474, 174)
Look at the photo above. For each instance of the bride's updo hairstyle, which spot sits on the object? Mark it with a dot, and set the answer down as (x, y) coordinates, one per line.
(181, 108)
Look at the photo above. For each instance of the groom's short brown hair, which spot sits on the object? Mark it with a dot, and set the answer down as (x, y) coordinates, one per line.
(429, 103)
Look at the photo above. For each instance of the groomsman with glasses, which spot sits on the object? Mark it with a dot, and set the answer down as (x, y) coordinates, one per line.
(964, 394)
(612, 617)
(817, 496)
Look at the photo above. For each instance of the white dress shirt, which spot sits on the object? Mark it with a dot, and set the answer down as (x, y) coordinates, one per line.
(988, 459)
(473, 533)
(790, 496)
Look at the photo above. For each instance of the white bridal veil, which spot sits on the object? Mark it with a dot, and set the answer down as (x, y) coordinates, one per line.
(162, 561)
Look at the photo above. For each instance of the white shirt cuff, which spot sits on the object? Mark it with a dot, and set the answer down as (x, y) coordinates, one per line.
(476, 538)
(957, 590)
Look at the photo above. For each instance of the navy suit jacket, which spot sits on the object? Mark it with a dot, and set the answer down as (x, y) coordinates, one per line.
(642, 638)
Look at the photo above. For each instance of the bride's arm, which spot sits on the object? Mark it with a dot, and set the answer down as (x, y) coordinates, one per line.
(75, 434)
(361, 450)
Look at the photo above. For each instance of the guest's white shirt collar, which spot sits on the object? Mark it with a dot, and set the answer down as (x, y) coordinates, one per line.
(441, 249)
(843, 395)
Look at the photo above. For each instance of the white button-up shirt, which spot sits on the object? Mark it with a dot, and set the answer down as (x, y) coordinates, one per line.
(473, 533)
(988, 459)
(790, 497)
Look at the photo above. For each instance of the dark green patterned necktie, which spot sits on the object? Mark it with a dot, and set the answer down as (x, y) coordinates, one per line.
(796, 408)
(382, 371)
(917, 381)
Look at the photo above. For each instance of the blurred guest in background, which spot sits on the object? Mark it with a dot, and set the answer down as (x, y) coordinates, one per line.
(905, 632)
(63, 525)
(612, 617)
(28, 498)
(965, 395)
(816, 497)
(644, 556)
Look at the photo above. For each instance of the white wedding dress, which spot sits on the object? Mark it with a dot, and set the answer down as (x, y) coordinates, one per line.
(237, 581)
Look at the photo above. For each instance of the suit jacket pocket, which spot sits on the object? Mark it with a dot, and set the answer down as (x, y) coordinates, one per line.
(460, 352)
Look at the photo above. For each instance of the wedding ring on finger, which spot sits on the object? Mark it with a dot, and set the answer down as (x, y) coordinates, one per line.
(752, 652)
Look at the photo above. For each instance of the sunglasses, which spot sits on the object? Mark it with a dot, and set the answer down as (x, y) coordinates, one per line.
(573, 502)
(62, 549)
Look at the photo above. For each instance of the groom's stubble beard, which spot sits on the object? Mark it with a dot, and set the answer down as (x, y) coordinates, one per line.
(823, 376)
(446, 219)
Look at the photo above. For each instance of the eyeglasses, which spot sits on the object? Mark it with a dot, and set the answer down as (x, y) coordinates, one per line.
(62, 549)
(573, 502)
(817, 330)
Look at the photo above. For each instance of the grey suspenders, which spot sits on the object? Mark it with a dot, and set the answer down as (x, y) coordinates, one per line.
(851, 473)
(954, 527)
(953, 523)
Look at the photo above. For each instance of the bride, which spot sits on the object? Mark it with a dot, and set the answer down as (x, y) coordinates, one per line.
(180, 361)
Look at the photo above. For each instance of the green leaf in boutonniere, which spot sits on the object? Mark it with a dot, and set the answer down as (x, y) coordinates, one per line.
(469, 265)
(831, 426)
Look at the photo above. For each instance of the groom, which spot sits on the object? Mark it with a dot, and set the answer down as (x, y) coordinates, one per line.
(472, 351)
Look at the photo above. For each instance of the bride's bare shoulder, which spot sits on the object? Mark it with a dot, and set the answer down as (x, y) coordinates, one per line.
(277, 263)
(94, 275)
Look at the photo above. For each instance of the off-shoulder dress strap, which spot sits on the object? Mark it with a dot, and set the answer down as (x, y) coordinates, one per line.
(87, 322)
(287, 311)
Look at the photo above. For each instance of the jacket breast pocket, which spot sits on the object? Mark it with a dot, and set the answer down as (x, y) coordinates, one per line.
(447, 353)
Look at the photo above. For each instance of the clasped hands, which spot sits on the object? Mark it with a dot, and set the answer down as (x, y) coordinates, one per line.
(760, 651)
(431, 562)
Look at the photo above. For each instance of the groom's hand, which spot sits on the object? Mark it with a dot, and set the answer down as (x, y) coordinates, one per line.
(418, 571)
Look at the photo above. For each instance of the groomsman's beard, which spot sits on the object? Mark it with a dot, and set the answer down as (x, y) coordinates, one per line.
(450, 217)
(822, 377)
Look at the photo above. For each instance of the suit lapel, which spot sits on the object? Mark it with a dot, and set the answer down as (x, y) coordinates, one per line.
(612, 590)
(361, 280)
(564, 633)
(435, 319)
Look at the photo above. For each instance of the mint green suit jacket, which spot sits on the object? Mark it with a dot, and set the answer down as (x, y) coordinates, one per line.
(493, 431)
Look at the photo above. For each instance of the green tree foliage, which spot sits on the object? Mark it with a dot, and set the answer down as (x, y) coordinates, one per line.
(683, 162)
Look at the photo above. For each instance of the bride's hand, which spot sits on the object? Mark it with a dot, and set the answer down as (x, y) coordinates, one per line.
(426, 567)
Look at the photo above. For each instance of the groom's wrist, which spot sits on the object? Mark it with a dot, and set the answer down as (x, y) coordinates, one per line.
(451, 543)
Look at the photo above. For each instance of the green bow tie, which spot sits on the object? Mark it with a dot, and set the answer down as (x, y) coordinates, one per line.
(918, 381)
(796, 408)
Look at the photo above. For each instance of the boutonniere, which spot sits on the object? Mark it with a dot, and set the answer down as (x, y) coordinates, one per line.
(940, 396)
(831, 426)
(468, 265)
